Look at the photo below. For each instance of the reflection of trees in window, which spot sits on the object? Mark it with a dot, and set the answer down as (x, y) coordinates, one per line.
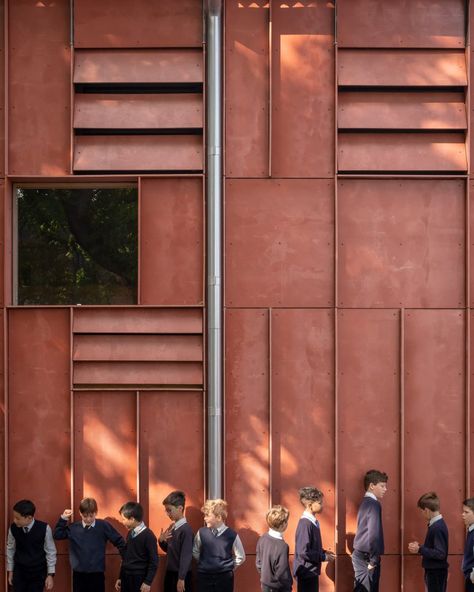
(77, 245)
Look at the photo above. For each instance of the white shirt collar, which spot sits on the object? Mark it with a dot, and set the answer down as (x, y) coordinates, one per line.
(275, 534)
(179, 523)
(370, 494)
(221, 529)
(84, 524)
(310, 517)
(138, 529)
(471, 528)
(30, 525)
(435, 519)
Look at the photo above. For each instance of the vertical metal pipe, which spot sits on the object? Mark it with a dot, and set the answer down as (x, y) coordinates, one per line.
(214, 246)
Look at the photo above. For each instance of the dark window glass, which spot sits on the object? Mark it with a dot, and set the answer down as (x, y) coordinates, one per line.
(77, 246)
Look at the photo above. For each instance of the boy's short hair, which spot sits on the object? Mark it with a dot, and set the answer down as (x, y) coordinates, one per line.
(277, 517)
(175, 498)
(373, 476)
(429, 500)
(88, 505)
(25, 508)
(132, 510)
(218, 507)
(308, 495)
(469, 502)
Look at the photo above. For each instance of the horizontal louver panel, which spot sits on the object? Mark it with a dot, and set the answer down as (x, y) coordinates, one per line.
(139, 111)
(138, 153)
(410, 152)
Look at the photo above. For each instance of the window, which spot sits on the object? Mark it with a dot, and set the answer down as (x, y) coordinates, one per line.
(76, 245)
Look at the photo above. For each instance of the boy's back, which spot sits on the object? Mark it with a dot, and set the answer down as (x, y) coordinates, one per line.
(273, 563)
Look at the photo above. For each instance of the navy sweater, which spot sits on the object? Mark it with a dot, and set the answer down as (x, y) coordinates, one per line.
(87, 546)
(216, 554)
(435, 548)
(141, 556)
(369, 535)
(273, 564)
(309, 552)
(29, 547)
(179, 549)
(468, 559)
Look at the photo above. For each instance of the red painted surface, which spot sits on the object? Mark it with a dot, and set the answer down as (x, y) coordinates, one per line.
(279, 242)
(119, 23)
(171, 241)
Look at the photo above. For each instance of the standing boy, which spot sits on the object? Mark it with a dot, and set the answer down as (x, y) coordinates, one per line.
(468, 559)
(31, 552)
(434, 551)
(217, 549)
(87, 541)
(140, 559)
(368, 541)
(177, 542)
(272, 558)
(309, 552)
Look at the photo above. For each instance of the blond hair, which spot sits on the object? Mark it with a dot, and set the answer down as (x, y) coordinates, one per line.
(277, 517)
(218, 507)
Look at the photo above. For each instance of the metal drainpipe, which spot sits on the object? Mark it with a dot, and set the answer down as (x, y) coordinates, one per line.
(214, 248)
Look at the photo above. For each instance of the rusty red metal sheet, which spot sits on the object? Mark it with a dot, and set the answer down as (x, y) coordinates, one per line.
(247, 460)
(39, 437)
(434, 152)
(164, 418)
(413, 572)
(172, 241)
(247, 577)
(303, 413)
(417, 23)
(33, 104)
(146, 111)
(413, 68)
(138, 153)
(179, 348)
(247, 66)
(401, 110)
(2, 86)
(434, 417)
(401, 243)
(279, 242)
(5, 210)
(138, 66)
(137, 320)
(119, 23)
(303, 110)
(138, 373)
(3, 459)
(105, 451)
(368, 409)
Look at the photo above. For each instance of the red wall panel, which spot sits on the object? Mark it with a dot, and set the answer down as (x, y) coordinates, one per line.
(279, 242)
(302, 117)
(401, 243)
(171, 241)
(119, 23)
(39, 88)
(247, 412)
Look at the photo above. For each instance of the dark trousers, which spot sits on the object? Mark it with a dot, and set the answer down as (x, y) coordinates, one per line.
(131, 582)
(217, 582)
(268, 589)
(308, 584)
(365, 580)
(171, 580)
(469, 586)
(88, 582)
(436, 580)
(29, 581)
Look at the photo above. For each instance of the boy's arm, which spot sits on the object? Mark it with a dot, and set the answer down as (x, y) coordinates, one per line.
(152, 548)
(438, 551)
(61, 530)
(238, 551)
(281, 568)
(186, 554)
(374, 533)
(258, 557)
(50, 550)
(197, 546)
(114, 537)
(11, 548)
(303, 544)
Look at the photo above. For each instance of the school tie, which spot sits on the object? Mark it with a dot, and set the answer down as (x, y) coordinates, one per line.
(25, 529)
(214, 531)
(87, 527)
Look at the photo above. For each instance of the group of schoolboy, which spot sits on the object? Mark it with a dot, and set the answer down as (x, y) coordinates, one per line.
(218, 550)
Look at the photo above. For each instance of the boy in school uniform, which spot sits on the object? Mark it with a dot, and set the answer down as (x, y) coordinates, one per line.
(87, 542)
(217, 549)
(272, 559)
(368, 541)
(468, 559)
(177, 542)
(140, 558)
(31, 552)
(309, 552)
(434, 550)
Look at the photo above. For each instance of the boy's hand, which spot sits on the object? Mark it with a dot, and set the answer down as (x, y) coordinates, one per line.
(414, 547)
(10, 578)
(118, 585)
(180, 586)
(67, 514)
(167, 534)
(370, 567)
(471, 577)
(145, 587)
(330, 556)
(49, 583)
